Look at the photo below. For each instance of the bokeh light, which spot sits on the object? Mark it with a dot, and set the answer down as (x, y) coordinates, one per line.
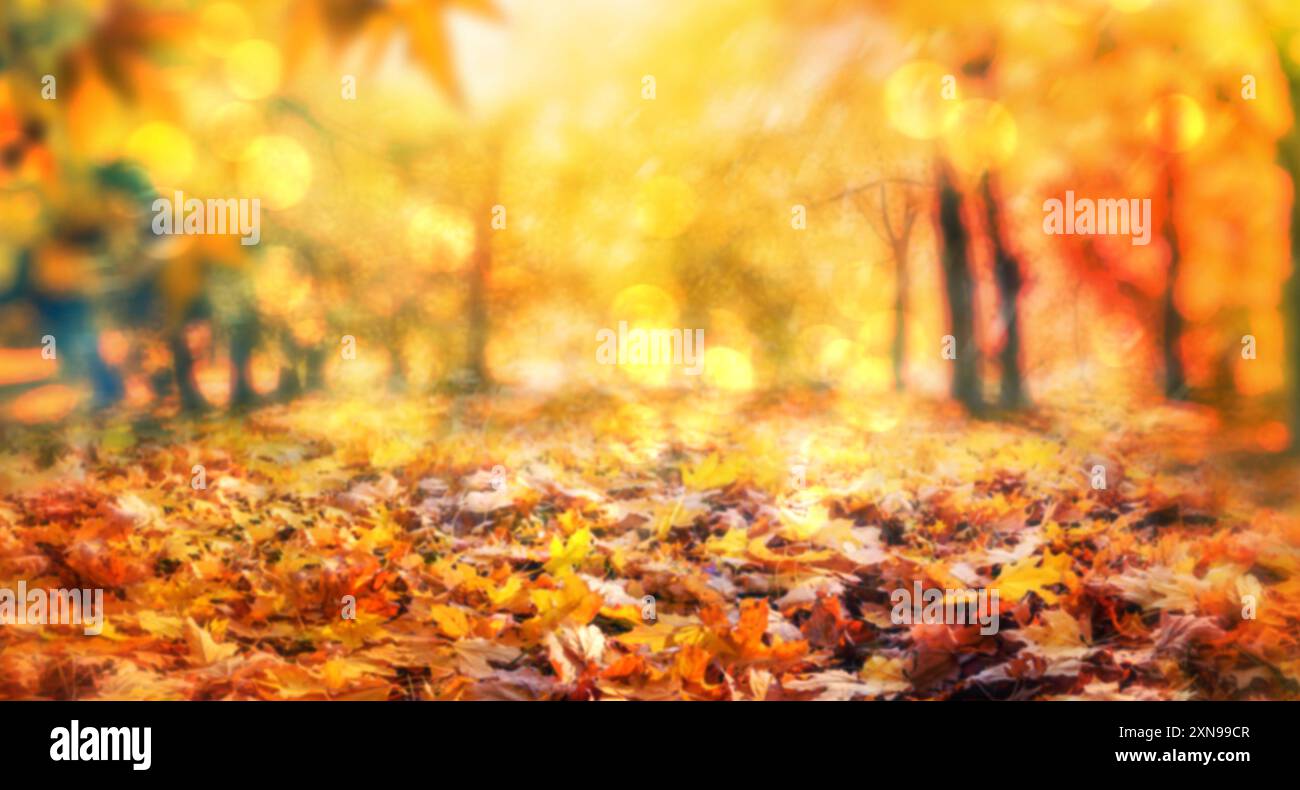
(277, 170)
(253, 69)
(914, 100)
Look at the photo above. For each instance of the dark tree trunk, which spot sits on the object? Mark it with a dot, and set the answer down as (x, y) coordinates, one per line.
(954, 254)
(1289, 157)
(1291, 295)
(315, 375)
(289, 385)
(243, 339)
(191, 399)
(1175, 378)
(1006, 270)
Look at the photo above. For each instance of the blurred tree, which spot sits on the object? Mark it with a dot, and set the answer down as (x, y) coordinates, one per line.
(954, 243)
(343, 22)
(1006, 269)
(1171, 338)
(899, 241)
(1289, 157)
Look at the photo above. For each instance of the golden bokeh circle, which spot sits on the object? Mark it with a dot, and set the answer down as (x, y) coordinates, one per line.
(253, 69)
(915, 102)
(277, 170)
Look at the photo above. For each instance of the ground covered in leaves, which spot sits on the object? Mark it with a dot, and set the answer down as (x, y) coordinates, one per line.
(527, 583)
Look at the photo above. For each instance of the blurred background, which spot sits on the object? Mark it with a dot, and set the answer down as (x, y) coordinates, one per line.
(472, 189)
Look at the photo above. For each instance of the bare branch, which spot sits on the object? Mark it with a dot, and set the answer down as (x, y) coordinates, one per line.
(869, 185)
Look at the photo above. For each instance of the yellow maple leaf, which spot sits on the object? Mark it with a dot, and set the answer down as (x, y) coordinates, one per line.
(802, 523)
(159, 625)
(658, 635)
(889, 674)
(506, 592)
(1029, 574)
(566, 555)
(205, 650)
(573, 602)
(452, 622)
(1055, 629)
(570, 521)
(731, 544)
(339, 672)
(712, 472)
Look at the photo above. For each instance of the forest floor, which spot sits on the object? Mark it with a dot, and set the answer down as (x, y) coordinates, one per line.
(501, 547)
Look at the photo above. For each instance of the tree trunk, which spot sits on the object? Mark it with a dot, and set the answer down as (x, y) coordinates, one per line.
(243, 339)
(191, 399)
(1291, 295)
(315, 373)
(1006, 270)
(954, 254)
(1289, 157)
(1175, 379)
(898, 352)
